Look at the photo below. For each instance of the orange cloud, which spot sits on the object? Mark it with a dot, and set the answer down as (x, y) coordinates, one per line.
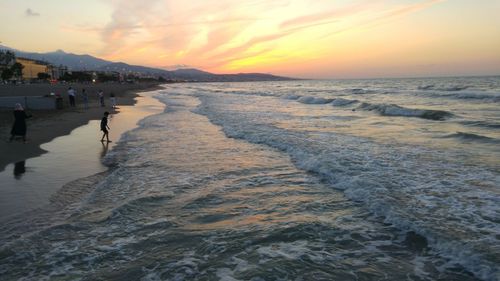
(331, 14)
(244, 35)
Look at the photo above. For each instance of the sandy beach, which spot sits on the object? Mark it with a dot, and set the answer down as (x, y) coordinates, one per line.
(32, 183)
(46, 125)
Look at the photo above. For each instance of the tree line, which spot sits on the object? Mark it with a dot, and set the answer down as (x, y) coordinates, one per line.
(9, 67)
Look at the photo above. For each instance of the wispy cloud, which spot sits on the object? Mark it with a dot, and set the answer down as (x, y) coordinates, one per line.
(89, 28)
(292, 26)
(388, 15)
(335, 13)
(30, 13)
(212, 34)
(408, 9)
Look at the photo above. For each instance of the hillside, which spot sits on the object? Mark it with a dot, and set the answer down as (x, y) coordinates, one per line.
(87, 62)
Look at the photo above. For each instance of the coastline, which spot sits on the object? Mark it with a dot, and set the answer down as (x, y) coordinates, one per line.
(46, 125)
(217, 165)
(71, 160)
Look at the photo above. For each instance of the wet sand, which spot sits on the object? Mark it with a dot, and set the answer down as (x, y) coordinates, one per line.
(30, 184)
(45, 125)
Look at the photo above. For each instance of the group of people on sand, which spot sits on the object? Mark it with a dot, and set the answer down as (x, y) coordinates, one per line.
(19, 127)
(85, 98)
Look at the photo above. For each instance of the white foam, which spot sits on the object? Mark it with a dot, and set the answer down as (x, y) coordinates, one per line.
(290, 251)
(396, 110)
(423, 195)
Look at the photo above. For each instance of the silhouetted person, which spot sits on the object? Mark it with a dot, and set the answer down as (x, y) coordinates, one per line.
(19, 127)
(101, 97)
(85, 98)
(105, 127)
(112, 100)
(71, 95)
(19, 169)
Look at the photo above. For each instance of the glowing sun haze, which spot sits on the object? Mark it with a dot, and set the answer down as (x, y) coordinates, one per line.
(301, 38)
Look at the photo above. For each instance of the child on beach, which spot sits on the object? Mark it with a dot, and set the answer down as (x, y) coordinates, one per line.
(105, 127)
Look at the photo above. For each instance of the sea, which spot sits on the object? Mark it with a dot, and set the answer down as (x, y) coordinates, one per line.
(382, 179)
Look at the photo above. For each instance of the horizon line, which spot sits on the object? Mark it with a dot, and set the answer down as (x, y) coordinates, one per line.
(267, 73)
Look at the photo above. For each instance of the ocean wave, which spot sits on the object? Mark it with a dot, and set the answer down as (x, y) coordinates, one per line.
(314, 100)
(291, 97)
(454, 88)
(343, 102)
(484, 124)
(409, 192)
(130, 209)
(250, 93)
(426, 87)
(467, 95)
(471, 137)
(358, 178)
(396, 110)
(482, 97)
(360, 91)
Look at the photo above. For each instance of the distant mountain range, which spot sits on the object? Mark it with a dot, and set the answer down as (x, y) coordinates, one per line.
(86, 62)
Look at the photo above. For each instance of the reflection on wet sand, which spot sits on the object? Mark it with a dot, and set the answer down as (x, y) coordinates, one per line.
(19, 169)
(69, 158)
(105, 147)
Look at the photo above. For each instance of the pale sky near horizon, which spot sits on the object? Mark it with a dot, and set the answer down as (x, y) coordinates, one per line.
(299, 38)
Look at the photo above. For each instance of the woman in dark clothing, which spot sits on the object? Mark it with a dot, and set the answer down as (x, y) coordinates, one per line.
(19, 127)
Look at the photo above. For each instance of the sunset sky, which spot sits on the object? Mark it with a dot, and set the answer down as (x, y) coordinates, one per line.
(301, 38)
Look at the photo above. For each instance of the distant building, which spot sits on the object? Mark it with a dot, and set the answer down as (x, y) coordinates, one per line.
(108, 76)
(57, 72)
(31, 68)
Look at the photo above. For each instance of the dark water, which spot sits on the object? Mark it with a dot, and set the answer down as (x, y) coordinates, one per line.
(284, 181)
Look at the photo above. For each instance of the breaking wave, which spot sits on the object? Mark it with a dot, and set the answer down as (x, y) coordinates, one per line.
(314, 100)
(403, 200)
(426, 87)
(291, 97)
(396, 110)
(484, 124)
(471, 137)
(455, 88)
(469, 95)
(359, 91)
(343, 102)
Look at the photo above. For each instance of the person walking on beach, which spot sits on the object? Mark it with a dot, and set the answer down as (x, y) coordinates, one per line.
(72, 96)
(105, 127)
(112, 100)
(101, 97)
(19, 127)
(85, 98)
